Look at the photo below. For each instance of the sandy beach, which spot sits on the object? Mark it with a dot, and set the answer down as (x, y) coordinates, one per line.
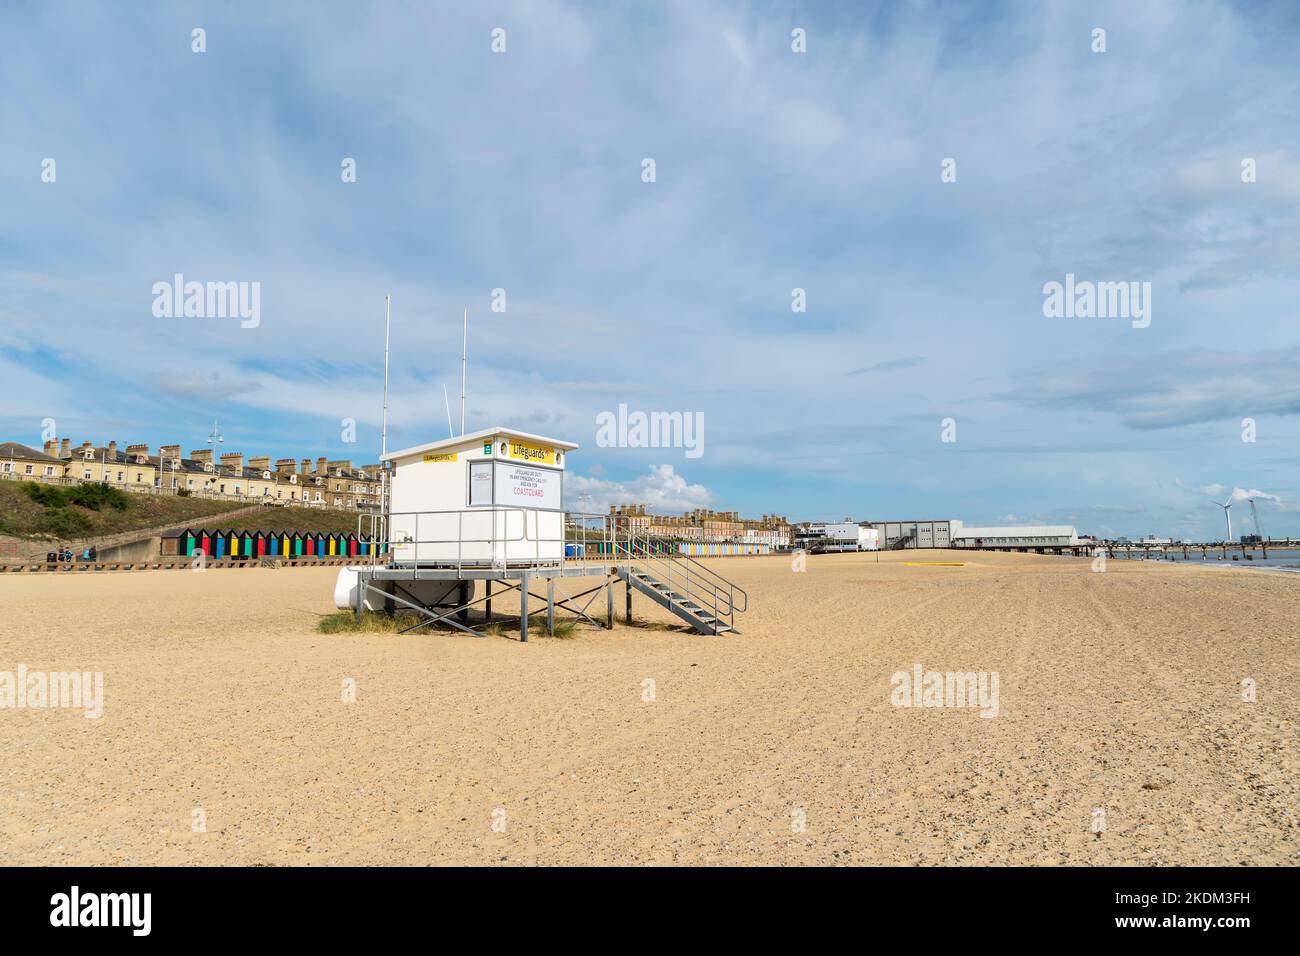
(1119, 692)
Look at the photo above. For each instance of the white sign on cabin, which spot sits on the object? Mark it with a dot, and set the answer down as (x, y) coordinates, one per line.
(527, 487)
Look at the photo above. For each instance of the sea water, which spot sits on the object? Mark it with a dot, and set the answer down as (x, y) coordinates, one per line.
(1279, 559)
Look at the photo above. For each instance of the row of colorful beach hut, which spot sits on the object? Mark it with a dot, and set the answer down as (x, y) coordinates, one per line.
(659, 546)
(722, 549)
(248, 545)
(596, 548)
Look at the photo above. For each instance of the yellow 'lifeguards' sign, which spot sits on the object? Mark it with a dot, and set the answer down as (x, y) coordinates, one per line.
(535, 454)
(450, 457)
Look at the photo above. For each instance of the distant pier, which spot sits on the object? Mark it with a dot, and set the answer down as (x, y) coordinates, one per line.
(1222, 550)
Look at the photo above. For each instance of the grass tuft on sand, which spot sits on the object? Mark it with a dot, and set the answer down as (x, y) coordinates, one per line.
(565, 629)
(345, 622)
(372, 622)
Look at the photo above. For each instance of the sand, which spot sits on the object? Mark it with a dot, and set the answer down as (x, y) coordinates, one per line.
(1119, 692)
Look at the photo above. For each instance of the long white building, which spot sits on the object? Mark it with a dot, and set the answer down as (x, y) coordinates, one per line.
(1015, 536)
(951, 533)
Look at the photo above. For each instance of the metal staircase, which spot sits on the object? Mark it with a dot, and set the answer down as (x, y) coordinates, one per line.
(902, 542)
(693, 592)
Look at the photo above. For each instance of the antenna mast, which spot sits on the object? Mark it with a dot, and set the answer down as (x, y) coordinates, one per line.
(464, 353)
(383, 434)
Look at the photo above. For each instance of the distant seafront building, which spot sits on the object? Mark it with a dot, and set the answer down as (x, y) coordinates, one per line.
(20, 461)
(952, 533)
(705, 525)
(933, 533)
(1151, 540)
(846, 535)
(330, 483)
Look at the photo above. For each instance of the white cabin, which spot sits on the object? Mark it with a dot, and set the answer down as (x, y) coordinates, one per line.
(490, 499)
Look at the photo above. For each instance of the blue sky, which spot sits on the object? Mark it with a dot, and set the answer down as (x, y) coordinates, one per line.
(774, 170)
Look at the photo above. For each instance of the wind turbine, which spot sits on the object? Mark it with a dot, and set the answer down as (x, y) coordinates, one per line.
(1227, 513)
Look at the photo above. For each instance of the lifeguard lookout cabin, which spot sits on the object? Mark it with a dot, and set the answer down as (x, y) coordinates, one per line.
(489, 499)
(489, 507)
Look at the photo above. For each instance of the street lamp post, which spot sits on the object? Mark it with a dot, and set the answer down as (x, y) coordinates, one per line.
(216, 439)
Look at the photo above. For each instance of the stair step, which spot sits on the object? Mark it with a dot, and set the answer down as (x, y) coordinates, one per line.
(679, 603)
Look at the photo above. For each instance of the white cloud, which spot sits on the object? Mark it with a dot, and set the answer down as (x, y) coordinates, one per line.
(1239, 494)
(1242, 494)
(661, 489)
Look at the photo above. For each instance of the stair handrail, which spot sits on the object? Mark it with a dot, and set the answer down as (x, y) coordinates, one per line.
(732, 587)
(664, 568)
(678, 567)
